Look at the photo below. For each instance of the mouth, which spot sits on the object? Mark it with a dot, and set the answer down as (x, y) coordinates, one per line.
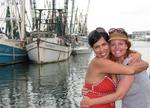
(103, 55)
(117, 52)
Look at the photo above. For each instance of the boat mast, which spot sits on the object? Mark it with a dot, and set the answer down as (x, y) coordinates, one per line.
(11, 19)
(65, 16)
(53, 14)
(33, 13)
(72, 13)
(74, 29)
(22, 34)
(84, 30)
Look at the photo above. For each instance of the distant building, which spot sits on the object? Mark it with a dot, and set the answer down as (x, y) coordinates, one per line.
(141, 35)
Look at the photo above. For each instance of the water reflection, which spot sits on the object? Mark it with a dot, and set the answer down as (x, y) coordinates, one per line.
(48, 84)
(13, 80)
(56, 85)
(144, 48)
(78, 67)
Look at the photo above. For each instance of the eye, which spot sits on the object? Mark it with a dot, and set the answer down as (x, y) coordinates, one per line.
(121, 44)
(97, 46)
(112, 44)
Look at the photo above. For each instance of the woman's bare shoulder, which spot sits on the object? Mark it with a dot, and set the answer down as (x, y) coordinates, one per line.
(101, 60)
(98, 63)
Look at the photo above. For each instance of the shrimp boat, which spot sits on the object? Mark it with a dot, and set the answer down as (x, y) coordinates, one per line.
(79, 33)
(49, 40)
(12, 49)
(80, 46)
(42, 49)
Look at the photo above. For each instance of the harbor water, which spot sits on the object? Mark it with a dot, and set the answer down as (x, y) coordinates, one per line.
(55, 85)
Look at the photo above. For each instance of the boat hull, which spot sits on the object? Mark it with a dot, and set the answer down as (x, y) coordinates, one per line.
(42, 51)
(11, 52)
(81, 50)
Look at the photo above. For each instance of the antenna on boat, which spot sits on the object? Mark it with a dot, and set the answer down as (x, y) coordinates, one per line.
(84, 30)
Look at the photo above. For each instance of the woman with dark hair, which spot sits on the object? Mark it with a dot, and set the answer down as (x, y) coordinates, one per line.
(100, 79)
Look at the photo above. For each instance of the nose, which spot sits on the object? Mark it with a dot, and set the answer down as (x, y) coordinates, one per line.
(116, 46)
(101, 48)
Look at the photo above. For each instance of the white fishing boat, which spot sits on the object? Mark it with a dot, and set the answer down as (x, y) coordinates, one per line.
(80, 46)
(12, 49)
(49, 40)
(46, 50)
(79, 34)
(81, 50)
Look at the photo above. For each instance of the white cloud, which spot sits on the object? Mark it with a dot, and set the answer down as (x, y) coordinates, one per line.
(131, 14)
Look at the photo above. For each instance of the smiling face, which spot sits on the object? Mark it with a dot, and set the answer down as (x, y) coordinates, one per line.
(118, 48)
(101, 48)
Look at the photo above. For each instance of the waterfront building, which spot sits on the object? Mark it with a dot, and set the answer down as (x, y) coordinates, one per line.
(141, 35)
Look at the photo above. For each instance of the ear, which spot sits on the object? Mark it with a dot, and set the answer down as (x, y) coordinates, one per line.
(126, 46)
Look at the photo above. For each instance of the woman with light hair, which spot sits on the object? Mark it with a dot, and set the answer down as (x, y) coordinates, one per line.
(100, 82)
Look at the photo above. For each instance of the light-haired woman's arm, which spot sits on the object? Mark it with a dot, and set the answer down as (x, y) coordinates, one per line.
(108, 66)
